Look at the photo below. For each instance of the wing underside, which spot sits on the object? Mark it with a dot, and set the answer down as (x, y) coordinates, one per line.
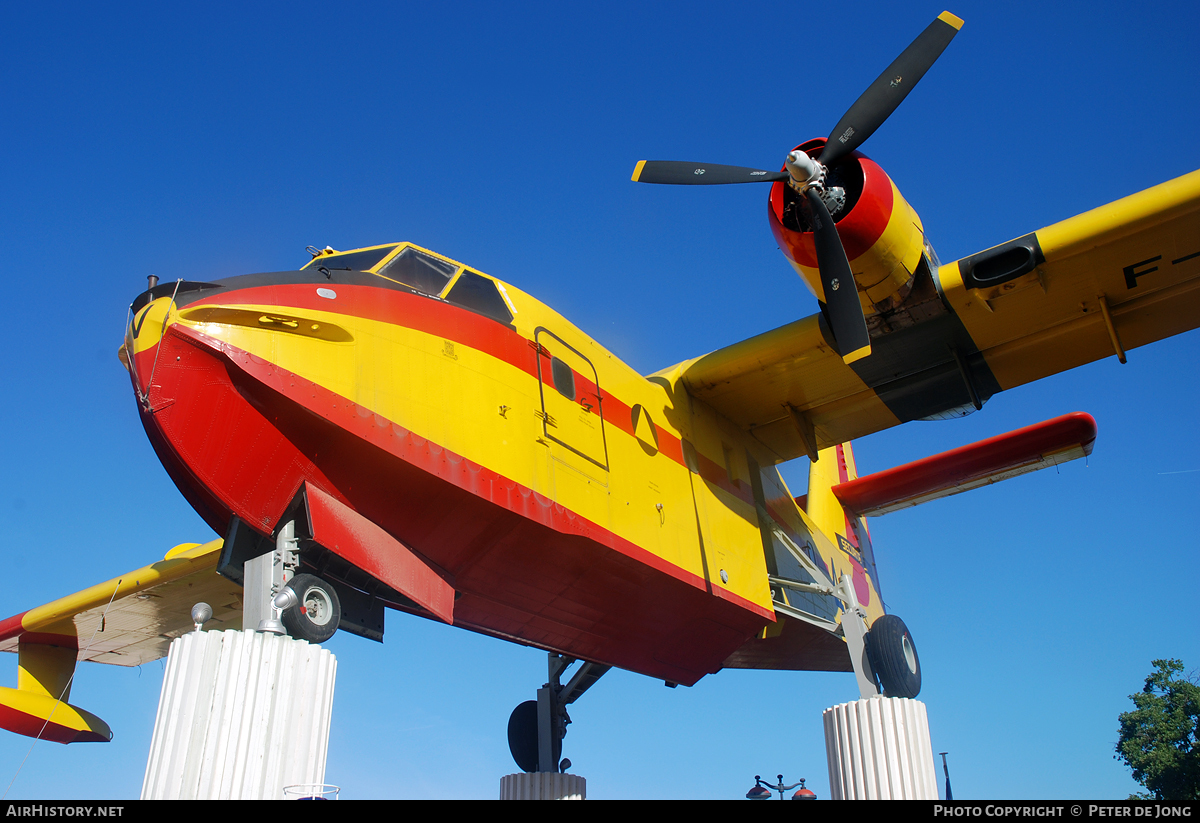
(126, 621)
(131, 619)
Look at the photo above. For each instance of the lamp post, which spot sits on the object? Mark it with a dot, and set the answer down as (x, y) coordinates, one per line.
(762, 791)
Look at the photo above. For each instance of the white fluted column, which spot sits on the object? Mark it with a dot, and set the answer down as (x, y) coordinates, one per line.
(878, 749)
(543, 786)
(242, 715)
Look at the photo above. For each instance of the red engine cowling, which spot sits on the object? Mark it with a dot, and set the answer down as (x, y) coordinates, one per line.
(881, 233)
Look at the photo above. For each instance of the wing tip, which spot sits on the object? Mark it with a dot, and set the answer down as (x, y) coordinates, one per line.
(950, 19)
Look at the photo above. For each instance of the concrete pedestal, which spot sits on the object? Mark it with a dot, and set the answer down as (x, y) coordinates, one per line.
(242, 715)
(543, 786)
(878, 749)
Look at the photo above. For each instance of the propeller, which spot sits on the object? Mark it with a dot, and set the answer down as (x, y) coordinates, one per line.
(890, 88)
(841, 304)
(683, 173)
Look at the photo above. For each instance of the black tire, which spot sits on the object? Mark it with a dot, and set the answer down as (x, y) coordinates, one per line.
(893, 656)
(523, 737)
(317, 616)
(523, 734)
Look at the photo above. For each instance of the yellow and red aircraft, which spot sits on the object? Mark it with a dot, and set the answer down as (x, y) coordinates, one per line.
(427, 438)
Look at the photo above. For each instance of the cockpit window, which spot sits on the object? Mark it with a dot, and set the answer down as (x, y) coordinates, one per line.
(476, 292)
(351, 261)
(423, 272)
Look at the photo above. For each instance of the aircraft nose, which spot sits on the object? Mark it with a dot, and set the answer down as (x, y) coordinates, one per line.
(149, 315)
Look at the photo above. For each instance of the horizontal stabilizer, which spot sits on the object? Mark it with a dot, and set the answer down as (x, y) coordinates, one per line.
(1039, 446)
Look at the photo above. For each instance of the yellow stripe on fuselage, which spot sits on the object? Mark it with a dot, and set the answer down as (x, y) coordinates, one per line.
(490, 411)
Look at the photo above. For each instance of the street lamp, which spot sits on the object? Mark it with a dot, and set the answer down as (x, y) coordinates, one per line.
(762, 791)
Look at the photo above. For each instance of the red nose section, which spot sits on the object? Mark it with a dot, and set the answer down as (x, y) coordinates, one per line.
(211, 426)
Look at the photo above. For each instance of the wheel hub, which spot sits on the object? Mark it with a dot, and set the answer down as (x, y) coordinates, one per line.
(316, 606)
(910, 656)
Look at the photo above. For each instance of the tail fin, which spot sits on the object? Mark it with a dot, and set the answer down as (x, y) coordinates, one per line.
(836, 465)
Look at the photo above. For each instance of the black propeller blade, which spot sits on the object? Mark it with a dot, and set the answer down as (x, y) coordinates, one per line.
(887, 92)
(842, 305)
(684, 173)
(873, 107)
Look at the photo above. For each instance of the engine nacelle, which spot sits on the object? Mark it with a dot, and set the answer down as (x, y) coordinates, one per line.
(882, 235)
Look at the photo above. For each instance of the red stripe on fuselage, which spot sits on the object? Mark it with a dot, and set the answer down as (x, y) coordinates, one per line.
(843, 476)
(530, 570)
(437, 318)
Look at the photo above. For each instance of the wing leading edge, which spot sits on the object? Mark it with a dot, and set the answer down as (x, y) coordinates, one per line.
(126, 621)
(1098, 284)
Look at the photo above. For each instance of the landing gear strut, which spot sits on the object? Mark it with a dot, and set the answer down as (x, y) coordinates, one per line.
(536, 727)
(317, 614)
(884, 656)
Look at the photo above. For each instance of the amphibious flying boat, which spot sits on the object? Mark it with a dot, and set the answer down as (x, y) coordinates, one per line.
(403, 431)
(553, 489)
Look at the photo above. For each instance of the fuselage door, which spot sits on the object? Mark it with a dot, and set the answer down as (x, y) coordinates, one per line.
(572, 411)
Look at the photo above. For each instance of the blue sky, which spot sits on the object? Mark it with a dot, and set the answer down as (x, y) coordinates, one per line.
(211, 140)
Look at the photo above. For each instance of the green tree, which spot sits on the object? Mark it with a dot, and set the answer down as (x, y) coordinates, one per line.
(1160, 738)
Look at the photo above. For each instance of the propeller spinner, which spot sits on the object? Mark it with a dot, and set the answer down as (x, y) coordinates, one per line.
(841, 303)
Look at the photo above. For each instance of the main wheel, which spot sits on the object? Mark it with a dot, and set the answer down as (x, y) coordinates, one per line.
(317, 616)
(893, 656)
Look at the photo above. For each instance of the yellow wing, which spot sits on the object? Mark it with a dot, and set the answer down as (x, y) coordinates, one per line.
(1092, 286)
(128, 620)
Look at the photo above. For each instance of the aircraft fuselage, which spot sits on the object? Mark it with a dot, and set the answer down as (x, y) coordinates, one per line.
(571, 503)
